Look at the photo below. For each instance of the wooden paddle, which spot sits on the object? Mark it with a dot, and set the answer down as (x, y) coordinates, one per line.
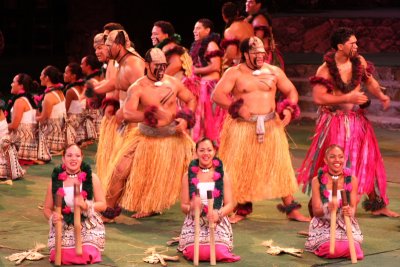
(333, 215)
(349, 231)
(196, 230)
(210, 199)
(77, 220)
(58, 228)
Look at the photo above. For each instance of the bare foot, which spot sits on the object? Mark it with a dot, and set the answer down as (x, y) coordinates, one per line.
(139, 215)
(236, 218)
(385, 212)
(295, 215)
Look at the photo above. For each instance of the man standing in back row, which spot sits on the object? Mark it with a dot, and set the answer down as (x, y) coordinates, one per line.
(342, 120)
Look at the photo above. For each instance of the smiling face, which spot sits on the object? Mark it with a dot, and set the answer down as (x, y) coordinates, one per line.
(205, 152)
(72, 159)
(334, 159)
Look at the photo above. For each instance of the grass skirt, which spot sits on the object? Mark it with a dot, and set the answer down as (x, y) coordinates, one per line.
(258, 170)
(107, 142)
(156, 172)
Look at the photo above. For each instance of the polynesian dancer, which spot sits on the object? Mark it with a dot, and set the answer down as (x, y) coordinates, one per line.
(342, 120)
(10, 169)
(147, 171)
(22, 120)
(207, 60)
(319, 234)
(254, 146)
(52, 112)
(64, 177)
(129, 66)
(110, 104)
(207, 173)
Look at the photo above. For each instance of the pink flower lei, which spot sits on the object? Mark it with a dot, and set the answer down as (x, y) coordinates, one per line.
(218, 177)
(323, 181)
(59, 175)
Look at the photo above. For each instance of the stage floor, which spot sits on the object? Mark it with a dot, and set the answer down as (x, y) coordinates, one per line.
(22, 223)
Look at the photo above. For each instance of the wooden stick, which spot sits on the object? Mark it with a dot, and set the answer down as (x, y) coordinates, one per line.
(210, 199)
(333, 216)
(77, 221)
(196, 231)
(349, 231)
(58, 228)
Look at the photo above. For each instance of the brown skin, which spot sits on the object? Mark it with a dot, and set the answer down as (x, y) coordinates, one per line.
(238, 30)
(334, 159)
(20, 105)
(355, 97)
(258, 94)
(205, 153)
(213, 69)
(144, 94)
(72, 159)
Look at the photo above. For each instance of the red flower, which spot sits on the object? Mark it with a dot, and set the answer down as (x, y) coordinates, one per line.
(66, 210)
(60, 192)
(346, 171)
(195, 181)
(195, 169)
(216, 193)
(215, 162)
(63, 166)
(216, 176)
(348, 187)
(324, 179)
(325, 168)
(84, 194)
(326, 193)
(62, 176)
(82, 176)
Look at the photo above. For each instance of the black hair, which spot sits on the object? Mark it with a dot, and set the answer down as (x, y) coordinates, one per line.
(330, 147)
(207, 23)
(204, 139)
(53, 73)
(340, 36)
(111, 26)
(76, 69)
(93, 62)
(26, 81)
(166, 27)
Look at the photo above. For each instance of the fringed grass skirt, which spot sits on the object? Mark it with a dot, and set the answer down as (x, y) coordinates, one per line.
(258, 170)
(107, 142)
(156, 172)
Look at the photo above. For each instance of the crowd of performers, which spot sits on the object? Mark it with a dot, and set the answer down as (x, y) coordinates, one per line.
(167, 115)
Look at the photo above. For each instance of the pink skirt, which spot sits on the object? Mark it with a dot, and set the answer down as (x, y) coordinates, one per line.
(341, 250)
(222, 253)
(90, 255)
